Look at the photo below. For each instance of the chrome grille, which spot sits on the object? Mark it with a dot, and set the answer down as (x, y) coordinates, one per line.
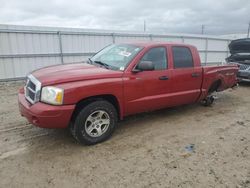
(32, 89)
(244, 67)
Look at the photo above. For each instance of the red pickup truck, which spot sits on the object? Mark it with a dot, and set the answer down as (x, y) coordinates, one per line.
(121, 79)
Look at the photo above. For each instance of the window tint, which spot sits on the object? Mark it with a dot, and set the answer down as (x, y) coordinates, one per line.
(157, 56)
(182, 57)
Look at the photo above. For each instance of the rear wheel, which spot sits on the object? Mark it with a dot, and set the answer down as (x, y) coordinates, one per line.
(95, 122)
(208, 101)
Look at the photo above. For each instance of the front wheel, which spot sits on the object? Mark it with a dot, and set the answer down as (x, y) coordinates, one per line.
(95, 122)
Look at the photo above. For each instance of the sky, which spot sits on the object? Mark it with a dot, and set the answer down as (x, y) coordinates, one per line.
(168, 16)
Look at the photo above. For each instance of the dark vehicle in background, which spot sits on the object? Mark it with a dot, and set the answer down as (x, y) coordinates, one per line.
(240, 54)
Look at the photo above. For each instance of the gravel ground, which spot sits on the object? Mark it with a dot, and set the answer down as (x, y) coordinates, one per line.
(188, 146)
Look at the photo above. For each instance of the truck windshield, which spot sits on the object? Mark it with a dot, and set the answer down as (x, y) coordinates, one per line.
(116, 56)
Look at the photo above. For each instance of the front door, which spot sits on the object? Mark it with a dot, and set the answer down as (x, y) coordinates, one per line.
(148, 90)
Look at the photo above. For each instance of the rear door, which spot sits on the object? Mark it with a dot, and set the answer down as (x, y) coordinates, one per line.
(186, 75)
(148, 90)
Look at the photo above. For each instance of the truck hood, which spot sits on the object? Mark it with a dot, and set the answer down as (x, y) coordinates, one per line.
(240, 51)
(73, 72)
(239, 46)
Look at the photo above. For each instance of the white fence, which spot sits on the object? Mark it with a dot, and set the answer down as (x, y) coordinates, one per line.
(26, 48)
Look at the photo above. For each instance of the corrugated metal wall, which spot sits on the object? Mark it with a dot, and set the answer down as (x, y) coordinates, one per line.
(25, 48)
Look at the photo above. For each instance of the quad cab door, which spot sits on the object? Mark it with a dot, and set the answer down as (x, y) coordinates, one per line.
(147, 90)
(186, 75)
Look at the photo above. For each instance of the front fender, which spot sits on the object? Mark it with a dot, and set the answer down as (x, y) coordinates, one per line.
(77, 91)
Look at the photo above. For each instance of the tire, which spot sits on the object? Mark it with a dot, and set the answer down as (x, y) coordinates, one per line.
(94, 123)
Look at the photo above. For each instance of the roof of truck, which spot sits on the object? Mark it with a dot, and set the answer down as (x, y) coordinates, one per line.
(156, 43)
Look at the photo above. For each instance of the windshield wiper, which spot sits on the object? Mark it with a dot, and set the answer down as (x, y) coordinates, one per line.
(103, 64)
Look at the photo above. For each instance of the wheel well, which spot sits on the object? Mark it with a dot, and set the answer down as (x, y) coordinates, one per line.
(110, 98)
(215, 86)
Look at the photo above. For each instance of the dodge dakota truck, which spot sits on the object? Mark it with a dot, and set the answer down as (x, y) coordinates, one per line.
(122, 79)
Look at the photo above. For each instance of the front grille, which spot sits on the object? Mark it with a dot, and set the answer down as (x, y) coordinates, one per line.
(32, 89)
(31, 85)
(244, 67)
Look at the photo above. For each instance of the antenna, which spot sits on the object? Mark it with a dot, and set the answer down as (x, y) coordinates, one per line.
(144, 26)
(248, 31)
(202, 29)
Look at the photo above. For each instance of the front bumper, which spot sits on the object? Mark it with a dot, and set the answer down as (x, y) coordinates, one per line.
(244, 76)
(44, 115)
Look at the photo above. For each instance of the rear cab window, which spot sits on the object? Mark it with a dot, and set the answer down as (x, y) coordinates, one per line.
(182, 57)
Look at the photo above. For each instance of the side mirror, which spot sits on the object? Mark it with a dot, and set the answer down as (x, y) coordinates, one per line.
(144, 66)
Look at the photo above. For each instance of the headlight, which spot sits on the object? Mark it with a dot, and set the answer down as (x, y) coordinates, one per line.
(52, 95)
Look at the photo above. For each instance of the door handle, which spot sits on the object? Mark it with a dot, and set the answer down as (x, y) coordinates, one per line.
(195, 74)
(163, 78)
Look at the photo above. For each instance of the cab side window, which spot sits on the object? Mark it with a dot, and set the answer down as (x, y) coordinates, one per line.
(182, 57)
(157, 56)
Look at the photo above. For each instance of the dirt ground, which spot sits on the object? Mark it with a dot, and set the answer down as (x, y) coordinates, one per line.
(147, 150)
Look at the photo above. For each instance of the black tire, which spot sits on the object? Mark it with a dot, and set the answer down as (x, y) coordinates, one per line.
(78, 128)
(71, 129)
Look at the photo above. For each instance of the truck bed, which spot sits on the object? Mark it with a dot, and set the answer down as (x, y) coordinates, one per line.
(223, 75)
